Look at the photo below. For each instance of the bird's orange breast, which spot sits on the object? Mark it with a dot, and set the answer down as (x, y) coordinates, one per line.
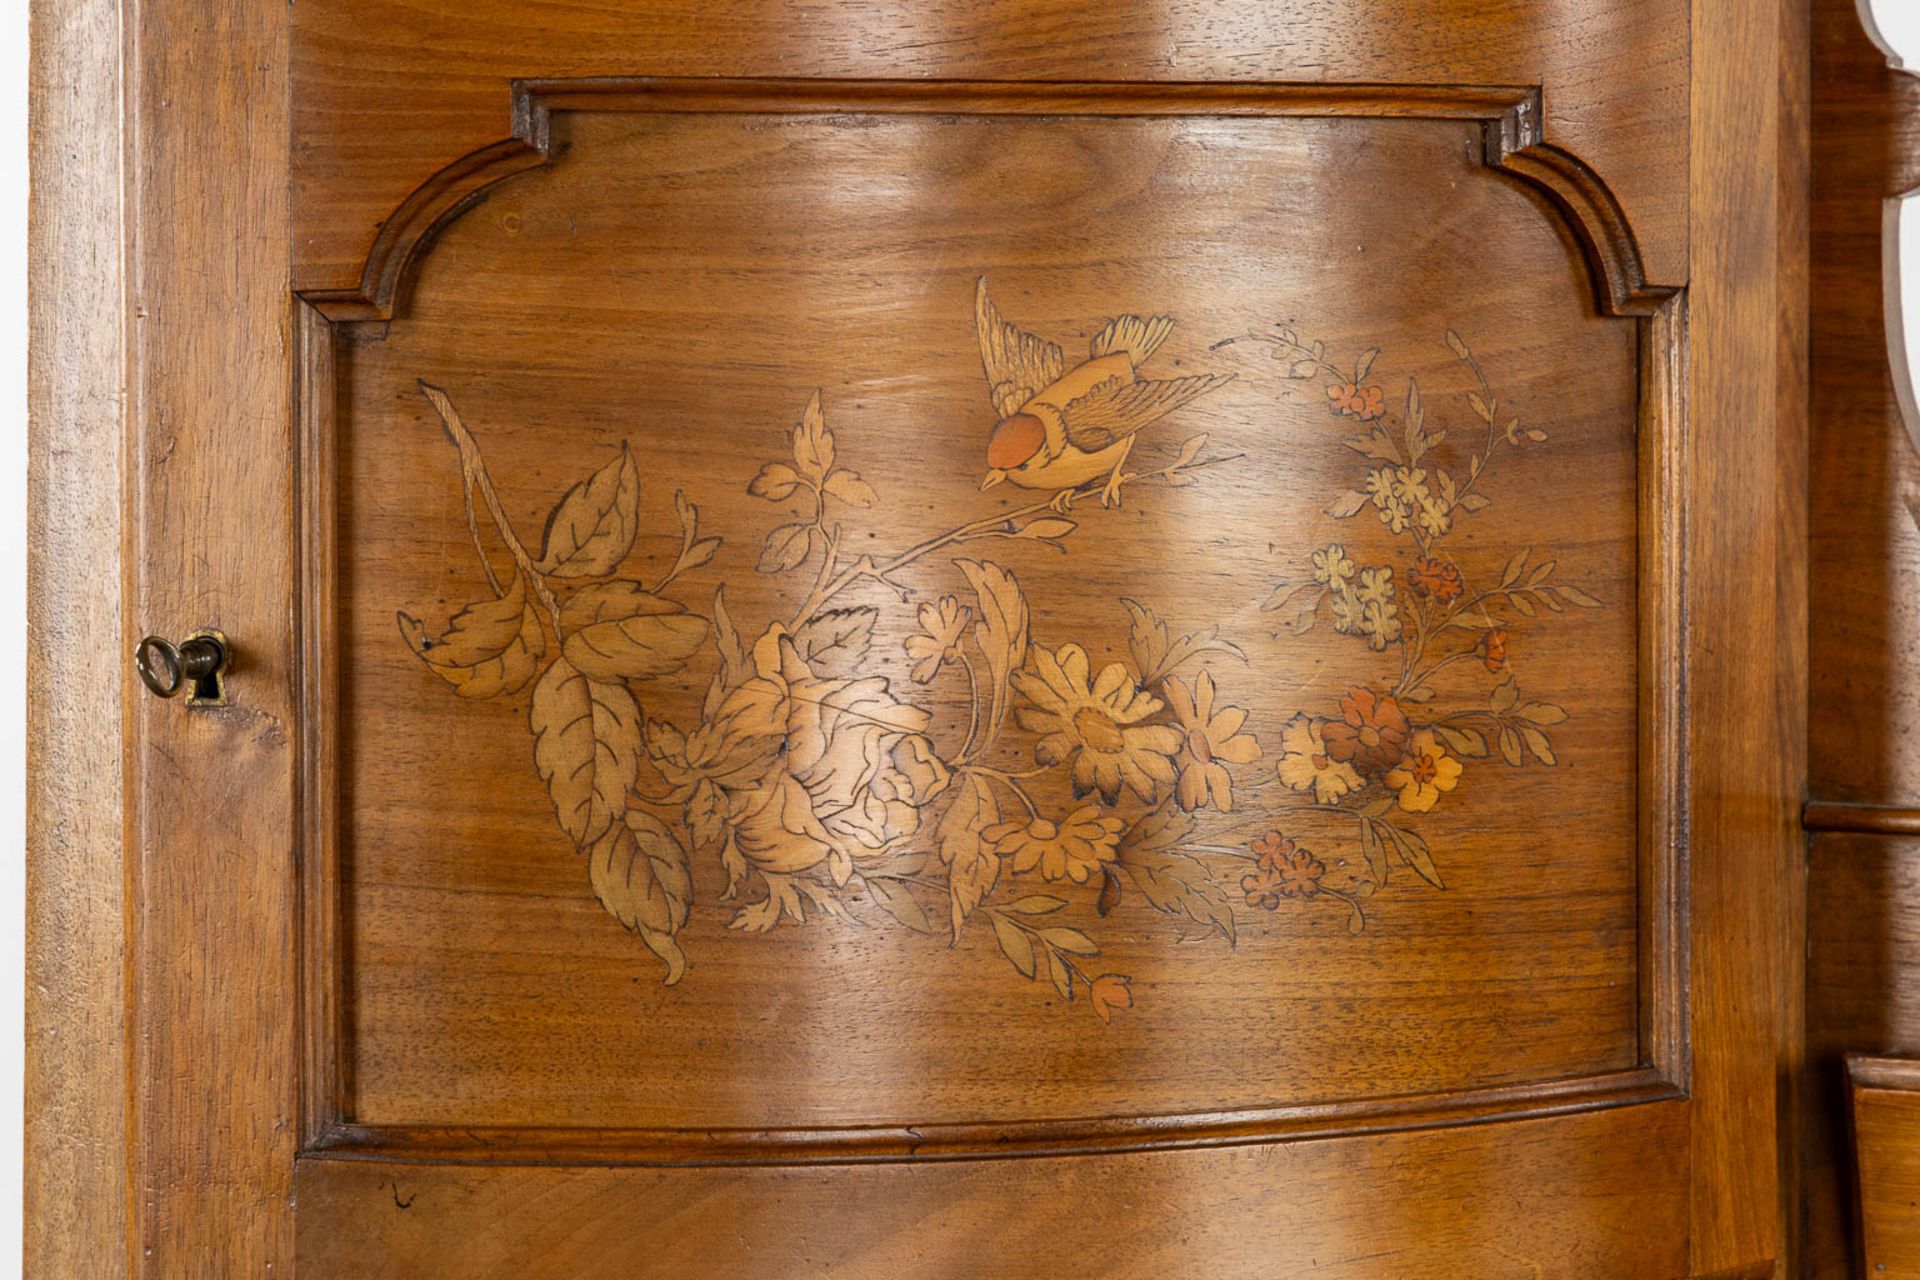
(1015, 440)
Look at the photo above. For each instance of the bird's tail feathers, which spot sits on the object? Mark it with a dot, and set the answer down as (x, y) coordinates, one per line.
(1138, 338)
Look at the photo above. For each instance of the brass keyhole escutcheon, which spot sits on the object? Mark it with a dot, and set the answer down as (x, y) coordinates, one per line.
(197, 665)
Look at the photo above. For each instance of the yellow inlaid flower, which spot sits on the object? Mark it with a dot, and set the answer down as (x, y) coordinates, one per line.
(938, 640)
(1211, 738)
(1094, 722)
(1068, 849)
(1305, 765)
(1425, 772)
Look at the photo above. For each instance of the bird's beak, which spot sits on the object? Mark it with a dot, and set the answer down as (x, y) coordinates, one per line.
(994, 476)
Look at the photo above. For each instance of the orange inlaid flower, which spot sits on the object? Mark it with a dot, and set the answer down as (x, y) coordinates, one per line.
(1281, 869)
(1351, 400)
(1068, 849)
(1372, 734)
(1425, 772)
(1493, 650)
(1439, 579)
(1110, 991)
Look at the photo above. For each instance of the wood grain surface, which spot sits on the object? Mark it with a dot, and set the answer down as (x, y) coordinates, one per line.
(464, 901)
(1863, 544)
(1746, 585)
(1864, 929)
(1884, 1104)
(1614, 71)
(1596, 1195)
(1022, 441)
(75, 1141)
(211, 1085)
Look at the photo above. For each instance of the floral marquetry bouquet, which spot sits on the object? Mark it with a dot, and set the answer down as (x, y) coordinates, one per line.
(1386, 752)
(989, 779)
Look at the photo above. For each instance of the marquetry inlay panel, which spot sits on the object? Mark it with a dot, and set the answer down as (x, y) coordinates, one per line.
(1094, 614)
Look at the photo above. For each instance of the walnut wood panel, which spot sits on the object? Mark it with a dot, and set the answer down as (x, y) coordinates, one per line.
(1864, 540)
(1681, 1186)
(464, 904)
(208, 530)
(76, 1210)
(1884, 1105)
(1614, 71)
(1864, 894)
(1863, 924)
(1597, 1197)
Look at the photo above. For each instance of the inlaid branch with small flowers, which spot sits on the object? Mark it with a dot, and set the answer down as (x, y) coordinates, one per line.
(991, 774)
(1396, 742)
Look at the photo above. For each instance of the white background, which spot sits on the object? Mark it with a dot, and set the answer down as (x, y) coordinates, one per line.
(1899, 22)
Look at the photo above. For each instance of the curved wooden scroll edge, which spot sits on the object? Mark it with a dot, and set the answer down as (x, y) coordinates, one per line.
(1512, 116)
(1588, 207)
(432, 206)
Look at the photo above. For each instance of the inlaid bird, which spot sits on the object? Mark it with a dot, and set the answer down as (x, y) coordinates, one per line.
(1061, 428)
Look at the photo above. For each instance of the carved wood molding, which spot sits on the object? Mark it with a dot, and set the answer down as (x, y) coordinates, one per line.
(876, 1144)
(1863, 819)
(1511, 116)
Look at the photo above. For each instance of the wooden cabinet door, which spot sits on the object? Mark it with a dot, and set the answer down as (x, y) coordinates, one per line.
(1030, 638)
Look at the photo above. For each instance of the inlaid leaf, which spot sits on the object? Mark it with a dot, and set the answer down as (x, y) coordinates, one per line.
(1576, 596)
(785, 548)
(775, 482)
(694, 549)
(1001, 631)
(1465, 741)
(592, 527)
(1537, 743)
(732, 651)
(894, 898)
(1347, 504)
(488, 648)
(1061, 976)
(835, 643)
(586, 746)
(619, 631)
(1413, 851)
(1374, 849)
(1046, 529)
(1158, 652)
(1071, 941)
(782, 899)
(1376, 444)
(972, 867)
(639, 872)
(1015, 944)
(813, 443)
(1516, 566)
(1298, 606)
(705, 809)
(851, 489)
(1179, 885)
(1510, 747)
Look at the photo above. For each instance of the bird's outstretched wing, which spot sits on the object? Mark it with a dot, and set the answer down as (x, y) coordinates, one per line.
(1018, 363)
(1114, 409)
